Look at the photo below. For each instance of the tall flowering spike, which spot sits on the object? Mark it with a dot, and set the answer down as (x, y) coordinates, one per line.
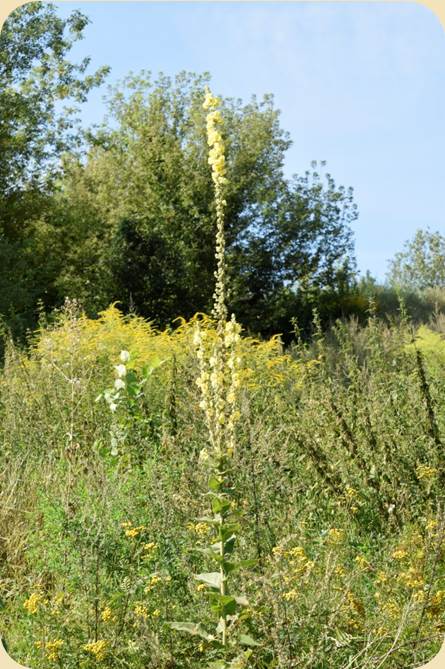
(217, 162)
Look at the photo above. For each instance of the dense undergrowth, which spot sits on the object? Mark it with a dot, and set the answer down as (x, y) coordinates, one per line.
(339, 474)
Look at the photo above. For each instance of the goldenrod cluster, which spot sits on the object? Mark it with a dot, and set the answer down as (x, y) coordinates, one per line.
(97, 648)
(52, 648)
(424, 472)
(32, 604)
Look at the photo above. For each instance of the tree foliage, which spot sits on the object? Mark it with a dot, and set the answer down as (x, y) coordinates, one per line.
(39, 90)
(144, 196)
(421, 264)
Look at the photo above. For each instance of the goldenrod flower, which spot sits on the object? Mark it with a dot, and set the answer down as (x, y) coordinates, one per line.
(33, 602)
(336, 535)
(53, 649)
(426, 473)
(140, 611)
(399, 554)
(107, 614)
(97, 648)
(290, 596)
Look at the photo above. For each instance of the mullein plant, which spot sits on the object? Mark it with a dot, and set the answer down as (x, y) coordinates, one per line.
(219, 383)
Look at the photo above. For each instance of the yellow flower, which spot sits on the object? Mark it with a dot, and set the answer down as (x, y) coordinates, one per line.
(399, 554)
(150, 547)
(53, 649)
(412, 578)
(290, 596)
(425, 472)
(33, 602)
(154, 580)
(134, 531)
(201, 529)
(336, 535)
(201, 586)
(350, 493)
(140, 611)
(278, 551)
(362, 562)
(97, 648)
(106, 614)
(156, 613)
(391, 608)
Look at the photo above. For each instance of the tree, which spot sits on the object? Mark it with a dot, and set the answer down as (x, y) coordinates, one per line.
(39, 91)
(145, 196)
(421, 264)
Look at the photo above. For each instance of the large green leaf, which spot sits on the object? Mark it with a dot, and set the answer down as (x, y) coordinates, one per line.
(194, 629)
(212, 578)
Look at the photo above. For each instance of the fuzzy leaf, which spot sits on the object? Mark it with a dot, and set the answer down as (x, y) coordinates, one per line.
(194, 629)
(212, 578)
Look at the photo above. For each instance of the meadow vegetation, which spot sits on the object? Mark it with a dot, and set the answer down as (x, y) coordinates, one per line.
(337, 478)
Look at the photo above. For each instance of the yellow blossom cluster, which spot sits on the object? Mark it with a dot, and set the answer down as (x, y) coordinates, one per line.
(156, 579)
(412, 578)
(97, 648)
(32, 604)
(141, 611)
(362, 562)
(52, 648)
(424, 472)
(131, 531)
(107, 614)
(400, 554)
(201, 529)
(336, 535)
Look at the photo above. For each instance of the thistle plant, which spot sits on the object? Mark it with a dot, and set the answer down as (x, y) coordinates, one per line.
(219, 382)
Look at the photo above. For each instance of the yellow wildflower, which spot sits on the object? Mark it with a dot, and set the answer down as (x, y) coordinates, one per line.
(290, 596)
(426, 473)
(201, 529)
(140, 611)
(154, 580)
(53, 649)
(336, 535)
(134, 531)
(399, 554)
(412, 578)
(362, 562)
(33, 602)
(106, 614)
(97, 648)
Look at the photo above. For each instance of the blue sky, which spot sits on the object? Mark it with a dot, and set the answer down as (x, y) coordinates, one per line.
(360, 85)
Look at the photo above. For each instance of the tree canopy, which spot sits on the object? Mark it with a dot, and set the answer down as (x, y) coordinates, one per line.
(421, 263)
(141, 206)
(39, 90)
